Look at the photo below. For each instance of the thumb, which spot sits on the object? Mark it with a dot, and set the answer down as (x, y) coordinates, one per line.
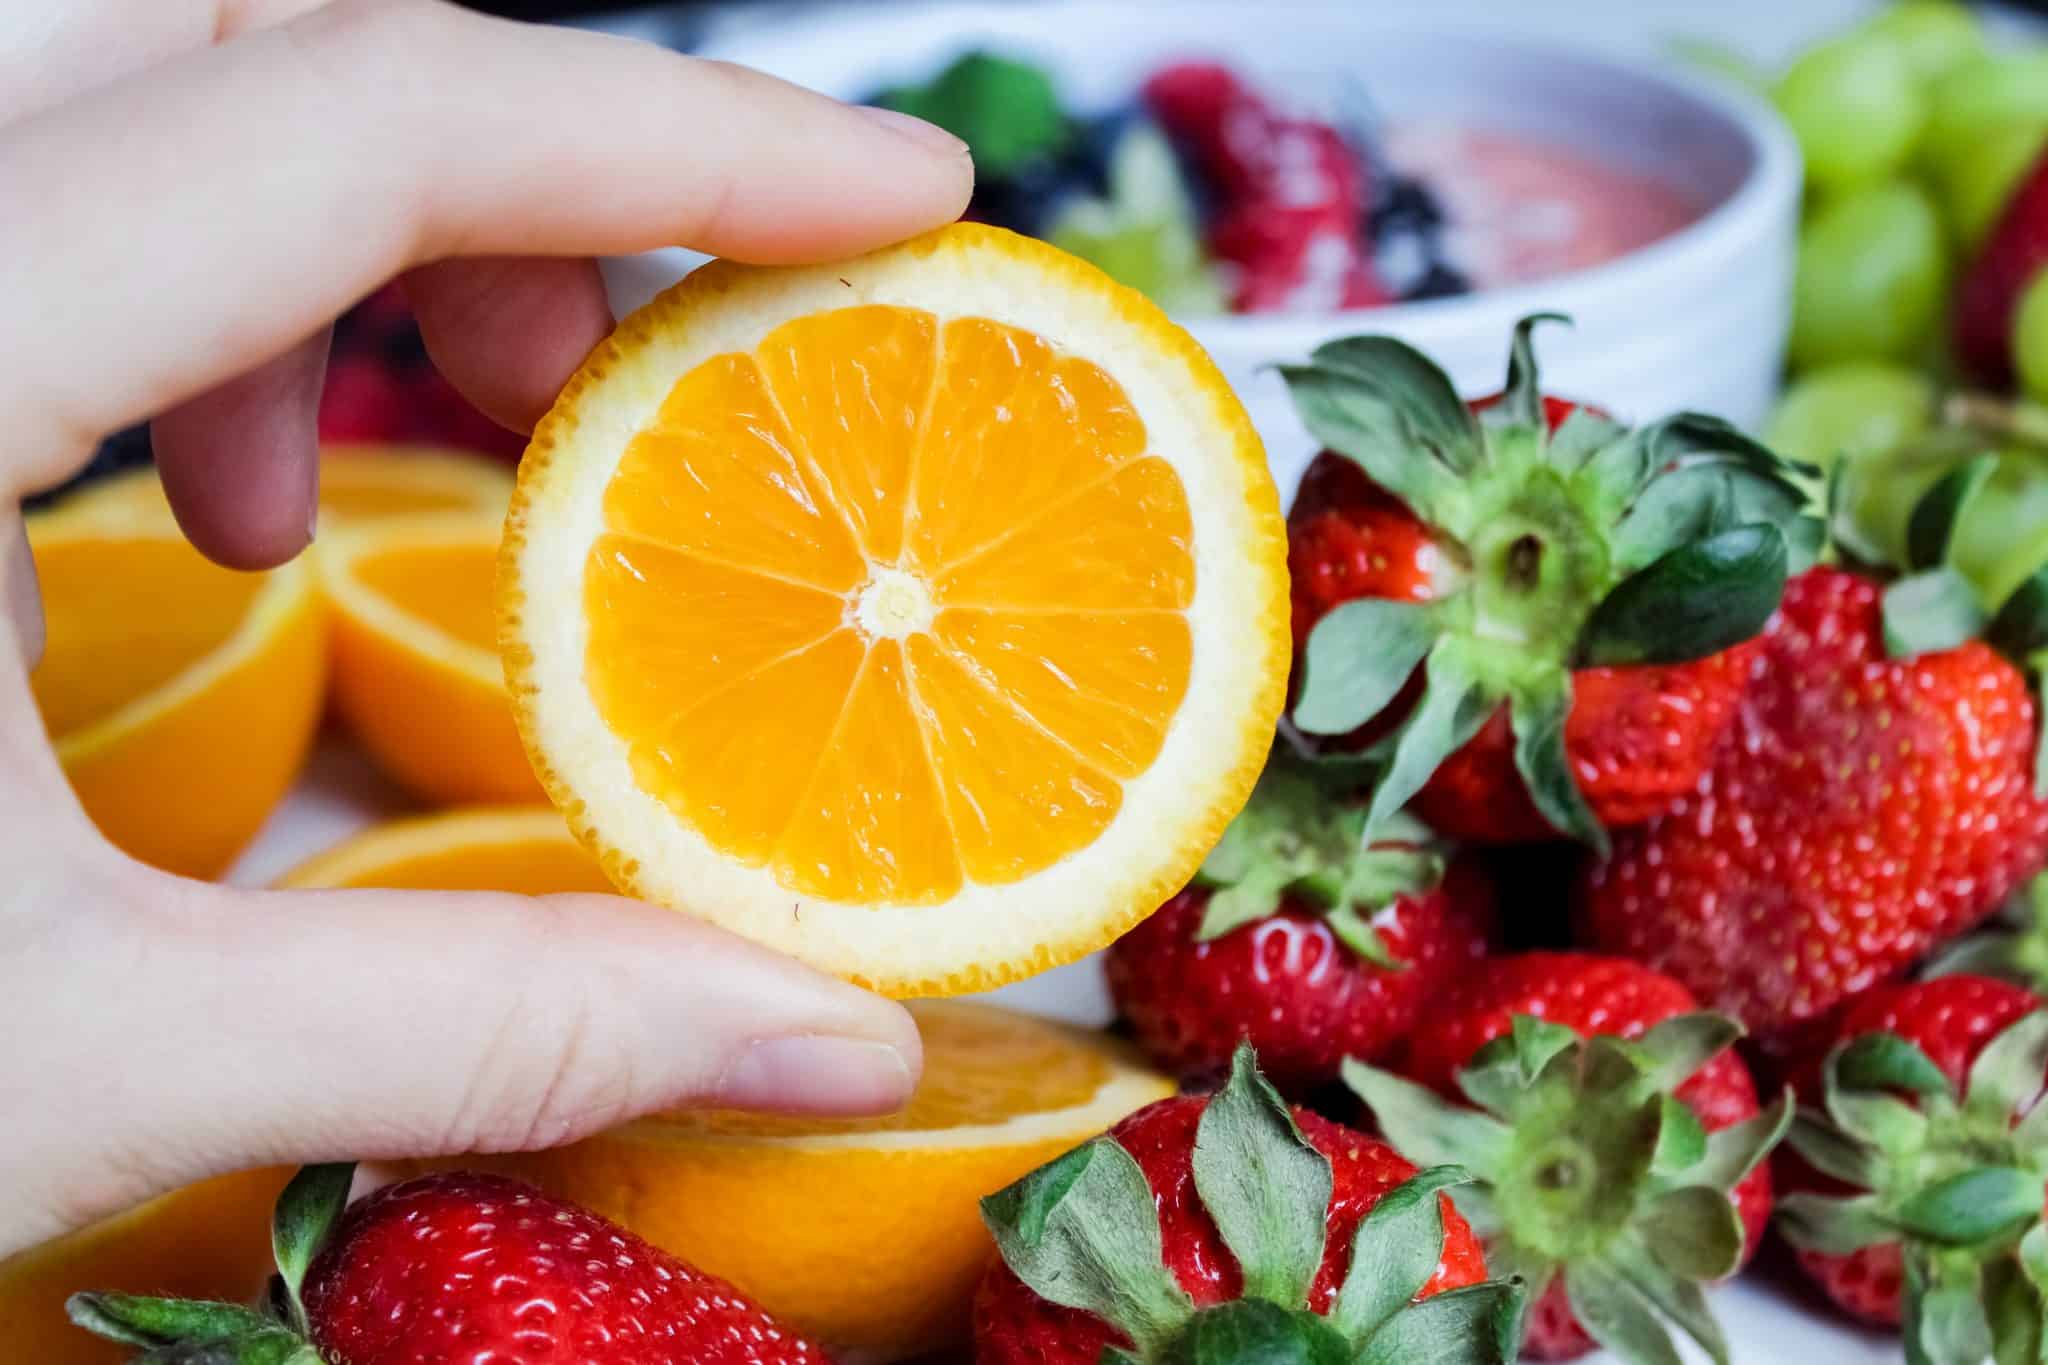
(279, 1027)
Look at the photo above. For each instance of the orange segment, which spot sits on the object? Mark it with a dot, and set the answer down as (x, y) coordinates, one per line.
(181, 697)
(416, 672)
(1122, 542)
(865, 1233)
(871, 826)
(853, 385)
(1014, 428)
(493, 848)
(734, 766)
(1018, 797)
(669, 630)
(923, 615)
(716, 474)
(1105, 683)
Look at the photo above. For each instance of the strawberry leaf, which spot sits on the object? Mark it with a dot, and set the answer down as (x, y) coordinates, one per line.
(1538, 714)
(1972, 1206)
(1693, 601)
(1416, 389)
(1834, 1226)
(1521, 399)
(1357, 660)
(1396, 1250)
(1885, 1061)
(272, 1346)
(1479, 1324)
(304, 1219)
(1401, 438)
(1733, 1152)
(1255, 1332)
(1456, 701)
(1583, 434)
(1929, 612)
(1945, 1322)
(1680, 1046)
(1263, 1183)
(133, 1320)
(1931, 529)
(1693, 1231)
(1681, 1140)
(2006, 1077)
(1426, 1128)
(1615, 1314)
(1676, 1297)
(1082, 1231)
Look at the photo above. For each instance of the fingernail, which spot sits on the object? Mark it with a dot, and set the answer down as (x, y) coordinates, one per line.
(929, 137)
(817, 1075)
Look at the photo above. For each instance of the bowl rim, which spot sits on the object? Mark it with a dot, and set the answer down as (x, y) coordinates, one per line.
(1760, 204)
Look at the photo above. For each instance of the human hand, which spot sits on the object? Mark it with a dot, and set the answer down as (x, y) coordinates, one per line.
(195, 188)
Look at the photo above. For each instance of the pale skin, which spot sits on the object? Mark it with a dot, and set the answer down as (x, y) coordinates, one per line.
(193, 190)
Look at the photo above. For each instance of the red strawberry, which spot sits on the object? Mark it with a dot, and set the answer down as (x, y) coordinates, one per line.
(455, 1269)
(1915, 1174)
(1567, 1136)
(1200, 1222)
(1288, 983)
(2012, 257)
(1864, 809)
(1293, 190)
(1533, 615)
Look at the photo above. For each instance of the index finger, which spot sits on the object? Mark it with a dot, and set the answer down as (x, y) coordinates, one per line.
(286, 173)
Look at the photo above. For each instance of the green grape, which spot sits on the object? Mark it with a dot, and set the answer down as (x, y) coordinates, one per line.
(1856, 108)
(2003, 534)
(2030, 338)
(1980, 97)
(1934, 36)
(1974, 185)
(1850, 411)
(1873, 274)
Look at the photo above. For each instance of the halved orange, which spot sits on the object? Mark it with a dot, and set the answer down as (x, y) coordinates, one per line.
(207, 1241)
(356, 482)
(416, 670)
(865, 1233)
(492, 848)
(923, 616)
(181, 696)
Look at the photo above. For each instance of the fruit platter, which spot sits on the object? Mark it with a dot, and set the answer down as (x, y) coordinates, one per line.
(1548, 875)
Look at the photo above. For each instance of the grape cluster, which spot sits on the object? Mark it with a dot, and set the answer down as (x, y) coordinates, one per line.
(1920, 137)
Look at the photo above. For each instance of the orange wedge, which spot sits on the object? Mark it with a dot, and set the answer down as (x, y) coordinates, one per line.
(865, 1233)
(529, 851)
(181, 696)
(356, 482)
(923, 616)
(416, 671)
(206, 1241)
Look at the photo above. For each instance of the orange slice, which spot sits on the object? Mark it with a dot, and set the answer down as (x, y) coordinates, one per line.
(923, 616)
(529, 851)
(865, 1233)
(356, 482)
(206, 1241)
(181, 696)
(416, 671)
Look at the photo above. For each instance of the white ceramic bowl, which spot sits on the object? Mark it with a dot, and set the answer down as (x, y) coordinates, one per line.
(1696, 320)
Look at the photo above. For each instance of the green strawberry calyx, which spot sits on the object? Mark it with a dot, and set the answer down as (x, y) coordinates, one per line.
(1934, 607)
(1956, 1181)
(1586, 1169)
(1596, 546)
(1297, 841)
(1082, 1231)
(189, 1332)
